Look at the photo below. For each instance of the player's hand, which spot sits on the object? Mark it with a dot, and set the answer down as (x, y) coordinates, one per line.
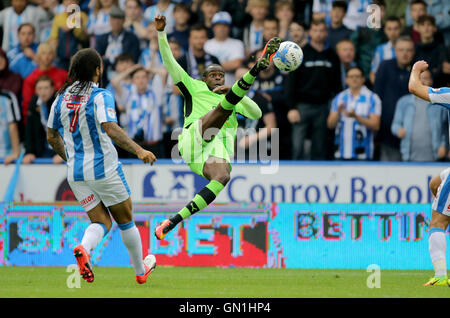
(57, 159)
(9, 159)
(442, 151)
(160, 22)
(293, 116)
(420, 66)
(341, 109)
(28, 158)
(351, 114)
(401, 133)
(146, 156)
(222, 89)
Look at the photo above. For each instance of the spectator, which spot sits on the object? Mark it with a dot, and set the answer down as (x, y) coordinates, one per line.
(98, 22)
(428, 49)
(366, 40)
(297, 32)
(386, 51)
(111, 44)
(12, 17)
(135, 22)
(123, 62)
(310, 100)
(443, 78)
(196, 60)
(321, 10)
(150, 56)
(164, 7)
(9, 80)
(36, 145)
(9, 127)
(440, 10)
(22, 57)
(253, 32)
(68, 36)
(256, 141)
(357, 14)
(337, 31)
(181, 14)
(208, 9)
(355, 115)
(417, 9)
(230, 52)
(270, 30)
(391, 83)
(143, 111)
(395, 8)
(345, 50)
(45, 58)
(284, 12)
(421, 127)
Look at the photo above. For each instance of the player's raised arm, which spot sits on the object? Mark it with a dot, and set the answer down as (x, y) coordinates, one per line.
(175, 70)
(415, 86)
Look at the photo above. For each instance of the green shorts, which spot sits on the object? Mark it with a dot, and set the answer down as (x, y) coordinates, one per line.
(195, 151)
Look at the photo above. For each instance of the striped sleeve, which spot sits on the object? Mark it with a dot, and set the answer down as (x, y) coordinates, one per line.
(440, 96)
(375, 104)
(13, 111)
(105, 109)
(53, 118)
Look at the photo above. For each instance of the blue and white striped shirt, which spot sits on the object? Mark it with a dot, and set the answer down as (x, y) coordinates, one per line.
(440, 96)
(385, 51)
(90, 152)
(144, 114)
(354, 140)
(98, 24)
(9, 113)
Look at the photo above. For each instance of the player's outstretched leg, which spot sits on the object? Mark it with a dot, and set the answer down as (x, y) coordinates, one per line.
(215, 169)
(99, 227)
(241, 87)
(219, 115)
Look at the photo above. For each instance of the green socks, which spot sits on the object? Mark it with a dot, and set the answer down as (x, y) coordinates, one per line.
(200, 201)
(238, 91)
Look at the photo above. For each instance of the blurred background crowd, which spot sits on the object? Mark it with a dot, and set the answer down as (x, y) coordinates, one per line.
(349, 99)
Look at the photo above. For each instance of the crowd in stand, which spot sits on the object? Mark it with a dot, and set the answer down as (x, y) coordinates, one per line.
(349, 99)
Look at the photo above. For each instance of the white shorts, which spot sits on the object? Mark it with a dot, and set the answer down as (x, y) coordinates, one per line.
(441, 203)
(110, 190)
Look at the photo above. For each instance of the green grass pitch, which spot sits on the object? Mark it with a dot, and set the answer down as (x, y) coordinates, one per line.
(208, 282)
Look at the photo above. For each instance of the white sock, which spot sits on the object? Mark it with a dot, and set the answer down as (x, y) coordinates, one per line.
(92, 236)
(437, 246)
(132, 240)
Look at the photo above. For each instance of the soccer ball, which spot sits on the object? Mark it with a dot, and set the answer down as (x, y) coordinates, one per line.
(288, 57)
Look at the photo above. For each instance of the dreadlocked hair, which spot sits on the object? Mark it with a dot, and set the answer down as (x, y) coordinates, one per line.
(82, 70)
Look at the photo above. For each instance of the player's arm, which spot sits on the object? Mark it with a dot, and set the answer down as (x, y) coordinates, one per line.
(415, 86)
(106, 116)
(121, 139)
(56, 142)
(248, 108)
(175, 70)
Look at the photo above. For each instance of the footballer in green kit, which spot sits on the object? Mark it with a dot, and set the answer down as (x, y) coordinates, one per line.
(210, 122)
